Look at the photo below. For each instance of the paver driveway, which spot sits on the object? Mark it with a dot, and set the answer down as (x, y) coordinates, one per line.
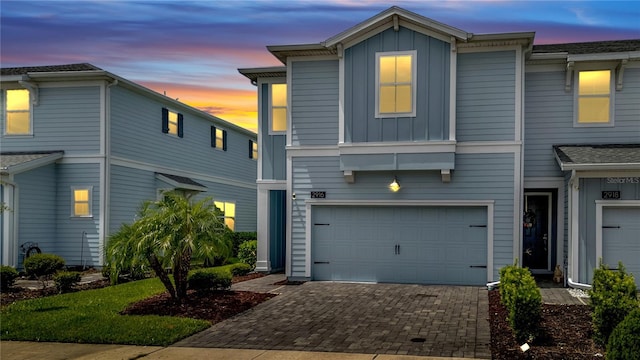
(449, 321)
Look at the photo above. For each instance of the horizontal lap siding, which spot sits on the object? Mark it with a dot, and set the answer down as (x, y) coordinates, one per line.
(486, 96)
(477, 177)
(549, 119)
(314, 103)
(66, 118)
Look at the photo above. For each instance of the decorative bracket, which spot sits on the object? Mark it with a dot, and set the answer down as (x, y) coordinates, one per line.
(453, 45)
(567, 80)
(446, 175)
(340, 50)
(396, 23)
(33, 90)
(349, 176)
(620, 73)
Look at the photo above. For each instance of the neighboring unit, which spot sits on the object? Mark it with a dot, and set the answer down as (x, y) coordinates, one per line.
(82, 148)
(406, 150)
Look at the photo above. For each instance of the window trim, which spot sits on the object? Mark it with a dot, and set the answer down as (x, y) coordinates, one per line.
(214, 138)
(414, 85)
(165, 122)
(576, 95)
(224, 215)
(89, 201)
(286, 107)
(30, 111)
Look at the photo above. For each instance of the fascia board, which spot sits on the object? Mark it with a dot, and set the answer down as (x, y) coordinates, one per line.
(30, 165)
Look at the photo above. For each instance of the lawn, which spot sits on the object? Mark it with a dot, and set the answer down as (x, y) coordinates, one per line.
(92, 316)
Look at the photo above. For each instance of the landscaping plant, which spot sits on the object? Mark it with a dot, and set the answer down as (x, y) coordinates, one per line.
(521, 296)
(66, 280)
(624, 342)
(247, 253)
(210, 279)
(8, 276)
(43, 266)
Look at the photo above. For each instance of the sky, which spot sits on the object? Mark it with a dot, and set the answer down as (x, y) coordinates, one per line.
(191, 50)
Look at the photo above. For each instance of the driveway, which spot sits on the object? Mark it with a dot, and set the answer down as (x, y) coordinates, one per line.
(426, 320)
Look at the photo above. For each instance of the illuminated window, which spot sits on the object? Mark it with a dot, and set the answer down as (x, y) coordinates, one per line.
(253, 149)
(81, 202)
(218, 138)
(594, 97)
(172, 122)
(395, 84)
(18, 112)
(229, 213)
(278, 108)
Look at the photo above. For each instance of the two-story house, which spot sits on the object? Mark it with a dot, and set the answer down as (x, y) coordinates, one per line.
(82, 148)
(406, 150)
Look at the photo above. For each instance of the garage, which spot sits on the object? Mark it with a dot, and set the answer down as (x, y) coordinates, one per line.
(621, 238)
(400, 244)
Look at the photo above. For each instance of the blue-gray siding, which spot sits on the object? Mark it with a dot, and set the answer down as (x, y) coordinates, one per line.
(486, 96)
(432, 104)
(272, 149)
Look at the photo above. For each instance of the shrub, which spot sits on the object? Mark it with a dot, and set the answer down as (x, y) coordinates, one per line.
(240, 269)
(624, 342)
(237, 238)
(209, 279)
(247, 253)
(521, 296)
(66, 280)
(43, 266)
(613, 296)
(8, 276)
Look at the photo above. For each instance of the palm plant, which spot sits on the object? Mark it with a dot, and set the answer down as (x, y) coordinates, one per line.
(167, 234)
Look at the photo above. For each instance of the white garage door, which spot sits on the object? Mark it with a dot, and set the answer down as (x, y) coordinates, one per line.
(424, 245)
(621, 238)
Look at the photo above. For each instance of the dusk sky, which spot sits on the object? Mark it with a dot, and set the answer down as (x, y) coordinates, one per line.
(192, 49)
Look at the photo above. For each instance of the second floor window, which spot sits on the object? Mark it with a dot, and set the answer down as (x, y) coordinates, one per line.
(278, 116)
(218, 138)
(17, 112)
(396, 84)
(253, 150)
(594, 97)
(172, 122)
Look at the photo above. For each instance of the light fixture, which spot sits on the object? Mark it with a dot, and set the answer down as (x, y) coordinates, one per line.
(395, 185)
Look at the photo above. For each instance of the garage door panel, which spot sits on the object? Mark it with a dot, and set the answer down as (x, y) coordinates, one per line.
(621, 238)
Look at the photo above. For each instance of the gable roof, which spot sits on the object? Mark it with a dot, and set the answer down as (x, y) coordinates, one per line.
(48, 68)
(598, 157)
(17, 162)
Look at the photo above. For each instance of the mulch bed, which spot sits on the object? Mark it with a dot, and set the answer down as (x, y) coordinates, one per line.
(17, 293)
(565, 333)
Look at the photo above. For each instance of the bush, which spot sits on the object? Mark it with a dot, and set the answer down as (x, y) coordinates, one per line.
(624, 342)
(240, 269)
(209, 279)
(237, 238)
(43, 266)
(66, 280)
(247, 253)
(613, 296)
(521, 296)
(8, 276)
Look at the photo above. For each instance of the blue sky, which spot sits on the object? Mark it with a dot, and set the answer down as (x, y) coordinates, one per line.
(192, 49)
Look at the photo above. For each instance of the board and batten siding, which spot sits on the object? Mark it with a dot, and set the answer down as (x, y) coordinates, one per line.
(477, 177)
(272, 152)
(314, 103)
(432, 101)
(486, 95)
(66, 118)
(549, 119)
(136, 134)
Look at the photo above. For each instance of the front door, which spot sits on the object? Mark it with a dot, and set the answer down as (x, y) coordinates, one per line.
(537, 231)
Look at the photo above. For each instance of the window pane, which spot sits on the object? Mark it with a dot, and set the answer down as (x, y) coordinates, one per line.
(173, 117)
(387, 99)
(403, 99)
(81, 209)
(219, 205)
(403, 68)
(279, 94)
(279, 119)
(230, 209)
(387, 69)
(81, 195)
(173, 128)
(593, 110)
(231, 223)
(18, 123)
(254, 150)
(17, 100)
(594, 82)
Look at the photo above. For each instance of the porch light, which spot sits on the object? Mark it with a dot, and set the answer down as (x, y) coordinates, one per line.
(395, 185)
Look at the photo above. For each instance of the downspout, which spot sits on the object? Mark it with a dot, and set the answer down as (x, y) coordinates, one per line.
(573, 248)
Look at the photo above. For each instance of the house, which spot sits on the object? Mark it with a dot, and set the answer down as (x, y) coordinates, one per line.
(406, 150)
(82, 148)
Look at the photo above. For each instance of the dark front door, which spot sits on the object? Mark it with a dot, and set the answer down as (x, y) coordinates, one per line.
(536, 228)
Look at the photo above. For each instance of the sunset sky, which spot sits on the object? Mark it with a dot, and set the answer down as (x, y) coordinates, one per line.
(192, 49)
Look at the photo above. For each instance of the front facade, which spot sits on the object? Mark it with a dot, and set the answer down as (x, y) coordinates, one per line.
(82, 148)
(405, 150)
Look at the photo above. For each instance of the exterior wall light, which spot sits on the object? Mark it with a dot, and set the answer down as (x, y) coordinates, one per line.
(395, 185)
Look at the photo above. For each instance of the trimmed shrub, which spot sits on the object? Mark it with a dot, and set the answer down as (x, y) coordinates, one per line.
(247, 253)
(624, 342)
(43, 266)
(613, 296)
(66, 280)
(240, 269)
(8, 276)
(521, 296)
(237, 238)
(209, 279)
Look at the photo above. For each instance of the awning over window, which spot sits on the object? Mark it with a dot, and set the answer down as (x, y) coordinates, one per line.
(598, 157)
(17, 162)
(181, 182)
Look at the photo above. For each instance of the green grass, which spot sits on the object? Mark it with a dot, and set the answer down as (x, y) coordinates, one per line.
(92, 316)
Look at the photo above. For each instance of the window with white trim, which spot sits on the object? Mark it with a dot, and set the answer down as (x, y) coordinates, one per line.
(17, 112)
(594, 97)
(396, 84)
(278, 113)
(81, 201)
(229, 213)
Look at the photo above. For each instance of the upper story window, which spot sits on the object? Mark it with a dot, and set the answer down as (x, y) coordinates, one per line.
(278, 115)
(17, 112)
(594, 97)
(229, 213)
(172, 122)
(396, 84)
(253, 149)
(81, 202)
(218, 138)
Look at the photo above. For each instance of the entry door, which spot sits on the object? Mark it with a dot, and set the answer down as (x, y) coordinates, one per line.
(536, 231)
